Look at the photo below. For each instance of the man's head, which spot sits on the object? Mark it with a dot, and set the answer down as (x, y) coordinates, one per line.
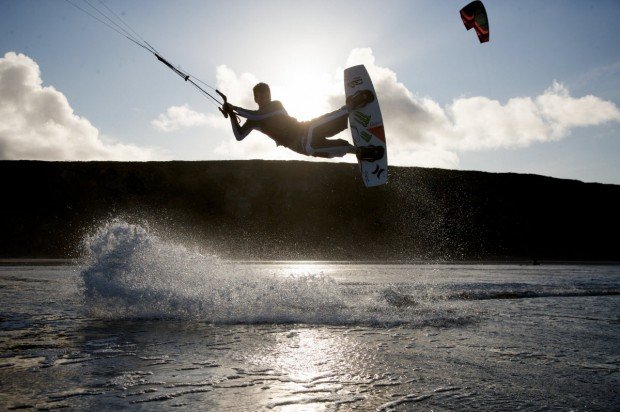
(262, 94)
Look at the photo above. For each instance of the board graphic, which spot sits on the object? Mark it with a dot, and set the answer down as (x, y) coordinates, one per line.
(366, 124)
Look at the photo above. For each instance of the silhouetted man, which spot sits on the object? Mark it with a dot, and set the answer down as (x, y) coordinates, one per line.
(308, 138)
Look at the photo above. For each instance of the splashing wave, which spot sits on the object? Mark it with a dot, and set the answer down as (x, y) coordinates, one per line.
(131, 273)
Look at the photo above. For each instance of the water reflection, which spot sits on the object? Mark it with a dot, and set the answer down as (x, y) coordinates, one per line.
(309, 354)
(311, 367)
(298, 269)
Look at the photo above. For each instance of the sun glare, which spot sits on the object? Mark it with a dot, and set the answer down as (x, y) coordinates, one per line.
(304, 90)
(301, 269)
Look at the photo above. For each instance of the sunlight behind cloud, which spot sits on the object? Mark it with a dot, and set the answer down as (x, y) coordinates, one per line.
(304, 92)
(305, 84)
(420, 131)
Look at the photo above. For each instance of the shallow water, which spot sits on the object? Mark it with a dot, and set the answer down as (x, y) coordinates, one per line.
(145, 324)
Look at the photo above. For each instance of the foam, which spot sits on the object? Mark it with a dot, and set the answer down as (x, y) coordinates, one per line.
(131, 273)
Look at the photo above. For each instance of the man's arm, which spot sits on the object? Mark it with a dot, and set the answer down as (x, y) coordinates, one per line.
(275, 109)
(252, 116)
(240, 131)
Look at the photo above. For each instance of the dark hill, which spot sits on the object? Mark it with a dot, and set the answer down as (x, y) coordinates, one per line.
(304, 210)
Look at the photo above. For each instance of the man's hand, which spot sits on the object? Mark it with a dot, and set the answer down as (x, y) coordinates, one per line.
(228, 108)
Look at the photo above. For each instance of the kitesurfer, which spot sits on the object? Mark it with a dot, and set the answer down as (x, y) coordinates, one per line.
(309, 137)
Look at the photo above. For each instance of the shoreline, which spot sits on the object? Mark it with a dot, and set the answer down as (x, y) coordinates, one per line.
(71, 262)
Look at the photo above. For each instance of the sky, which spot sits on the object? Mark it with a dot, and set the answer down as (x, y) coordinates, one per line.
(541, 97)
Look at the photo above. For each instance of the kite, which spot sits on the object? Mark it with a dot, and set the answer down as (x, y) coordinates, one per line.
(474, 15)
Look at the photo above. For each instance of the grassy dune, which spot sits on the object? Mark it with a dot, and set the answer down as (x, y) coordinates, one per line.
(305, 210)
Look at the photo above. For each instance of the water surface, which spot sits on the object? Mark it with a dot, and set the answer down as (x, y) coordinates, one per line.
(141, 323)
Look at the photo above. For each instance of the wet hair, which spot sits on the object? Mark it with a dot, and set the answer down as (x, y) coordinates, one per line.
(261, 88)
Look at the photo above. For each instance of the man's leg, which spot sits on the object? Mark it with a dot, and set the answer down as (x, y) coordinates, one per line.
(325, 126)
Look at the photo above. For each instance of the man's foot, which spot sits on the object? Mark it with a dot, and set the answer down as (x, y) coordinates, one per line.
(359, 99)
(370, 153)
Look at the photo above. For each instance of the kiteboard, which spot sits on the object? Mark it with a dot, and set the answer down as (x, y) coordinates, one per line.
(366, 124)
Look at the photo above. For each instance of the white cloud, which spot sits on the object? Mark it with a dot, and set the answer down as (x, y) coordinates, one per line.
(238, 88)
(421, 132)
(38, 123)
(182, 117)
